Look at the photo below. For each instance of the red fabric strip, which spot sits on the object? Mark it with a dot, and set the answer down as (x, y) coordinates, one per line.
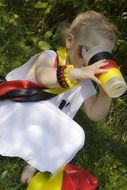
(16, 84)
(75, 178)
(56, 62)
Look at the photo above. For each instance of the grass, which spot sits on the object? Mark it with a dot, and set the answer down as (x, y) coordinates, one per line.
(104, 154)
(105, 150)
(10, 173)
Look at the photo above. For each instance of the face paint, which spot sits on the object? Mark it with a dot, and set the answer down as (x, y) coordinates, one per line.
(95, 54)
(80, 53)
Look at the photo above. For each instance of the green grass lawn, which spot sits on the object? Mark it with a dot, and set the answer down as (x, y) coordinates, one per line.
(105, 149)
(104, 154)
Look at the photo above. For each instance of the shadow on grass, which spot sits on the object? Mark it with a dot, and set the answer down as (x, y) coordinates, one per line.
(104, 154)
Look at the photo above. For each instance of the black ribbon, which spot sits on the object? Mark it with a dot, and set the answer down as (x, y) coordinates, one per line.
(29, 94)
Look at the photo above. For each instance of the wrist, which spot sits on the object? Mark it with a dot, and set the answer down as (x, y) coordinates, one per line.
(64, 79)
(73, 74)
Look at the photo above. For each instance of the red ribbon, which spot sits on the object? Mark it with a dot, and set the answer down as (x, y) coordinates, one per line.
(7, 86)
(23, 91)
(75, 178)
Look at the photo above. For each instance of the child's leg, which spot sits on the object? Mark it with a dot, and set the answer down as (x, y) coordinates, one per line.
(27, 174)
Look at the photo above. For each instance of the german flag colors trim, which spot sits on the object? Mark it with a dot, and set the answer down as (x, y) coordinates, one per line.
(68, 177)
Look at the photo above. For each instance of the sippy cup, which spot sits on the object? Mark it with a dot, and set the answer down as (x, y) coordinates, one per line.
(112, 81)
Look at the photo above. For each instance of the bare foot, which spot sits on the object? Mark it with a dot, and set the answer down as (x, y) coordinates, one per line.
(27, 174)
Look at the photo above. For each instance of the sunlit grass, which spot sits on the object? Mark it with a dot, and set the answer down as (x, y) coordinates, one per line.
(105, 151)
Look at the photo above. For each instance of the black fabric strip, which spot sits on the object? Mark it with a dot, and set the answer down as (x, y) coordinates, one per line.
(100, 56)
(2, 78)
(27, 95)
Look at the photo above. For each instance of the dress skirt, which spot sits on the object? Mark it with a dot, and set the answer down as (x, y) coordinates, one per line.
(39, 133)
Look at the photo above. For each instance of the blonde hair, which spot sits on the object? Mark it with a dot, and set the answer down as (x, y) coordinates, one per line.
(88, 22)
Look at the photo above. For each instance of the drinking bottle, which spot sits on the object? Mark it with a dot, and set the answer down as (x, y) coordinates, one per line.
(112, 81)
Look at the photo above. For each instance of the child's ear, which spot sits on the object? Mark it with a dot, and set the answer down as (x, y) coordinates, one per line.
(69, 40)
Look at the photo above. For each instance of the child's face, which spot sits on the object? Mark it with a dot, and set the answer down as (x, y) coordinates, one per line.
(74, 52)
(75, 48)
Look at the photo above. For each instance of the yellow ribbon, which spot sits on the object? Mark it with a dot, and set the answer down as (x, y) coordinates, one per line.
(55, 181)
(45, 181)
(38, 182)
(62, 55)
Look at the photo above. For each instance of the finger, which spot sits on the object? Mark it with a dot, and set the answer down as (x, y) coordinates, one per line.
(95, 79)
(101, 71)
(101, 63)
(102, 60)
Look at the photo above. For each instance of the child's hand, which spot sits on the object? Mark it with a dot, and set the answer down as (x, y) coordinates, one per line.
(90, 72)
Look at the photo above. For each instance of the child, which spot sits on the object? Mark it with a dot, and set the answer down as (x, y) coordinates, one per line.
(88, 30)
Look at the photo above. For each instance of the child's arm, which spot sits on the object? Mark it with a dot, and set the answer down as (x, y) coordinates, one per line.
(97, 107)
(45, 73)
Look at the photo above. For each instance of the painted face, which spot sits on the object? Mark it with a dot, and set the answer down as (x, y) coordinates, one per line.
(95, 54)
(74, 51)
(80, 54)
(75, 56)
(102, 50)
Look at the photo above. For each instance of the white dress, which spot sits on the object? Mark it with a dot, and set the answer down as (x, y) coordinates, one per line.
(39, 132)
